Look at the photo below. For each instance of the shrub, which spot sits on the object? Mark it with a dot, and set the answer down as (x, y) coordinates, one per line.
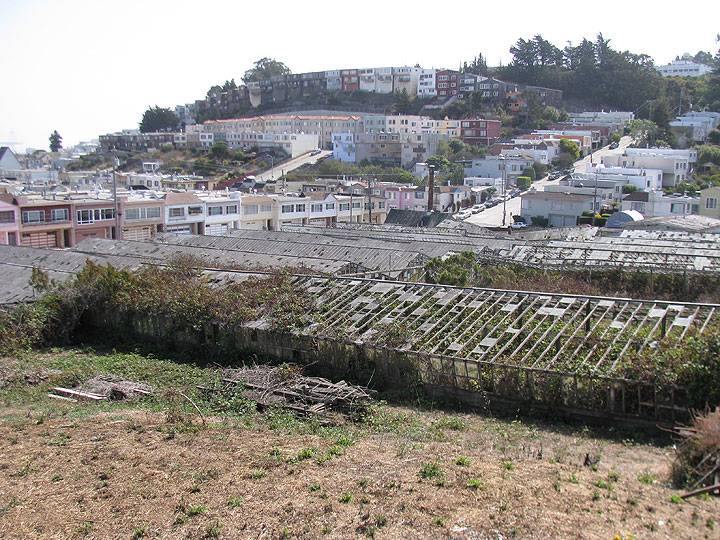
(430, 470)
(524, 182)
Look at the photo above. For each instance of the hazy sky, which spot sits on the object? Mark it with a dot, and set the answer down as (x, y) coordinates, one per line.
(90, 67)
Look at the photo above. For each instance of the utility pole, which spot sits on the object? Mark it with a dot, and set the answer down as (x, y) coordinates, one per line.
(118, 231)
(504, 184)
(431, 187)
(369, 201)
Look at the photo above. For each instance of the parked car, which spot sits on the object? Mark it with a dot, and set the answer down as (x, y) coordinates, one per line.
(464, 214)
(613, 146)
(519, 225)
(315, 152)
(477, 208)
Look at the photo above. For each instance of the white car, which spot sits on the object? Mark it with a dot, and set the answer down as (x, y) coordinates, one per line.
(519, 225)
(477, 209)
(464, 214)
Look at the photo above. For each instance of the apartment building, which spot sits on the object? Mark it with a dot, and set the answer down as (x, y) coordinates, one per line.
(406, 79)
(447, 83)
(657, 204)
(132, 140)
(480, 131)
(45, 223)
(350, 80)
(450, 128)
(93, 218)
(675, 167)
(292, 144)
(427, 83)
(560, 209)
(222, 212)
(378, 80)
(184, 213)
(683, 68)
(404, 123)
(142, 216)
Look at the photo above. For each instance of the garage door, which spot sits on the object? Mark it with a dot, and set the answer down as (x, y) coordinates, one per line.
(41, 240)
(137, 233)
(216, 229)
(558, 220)
(179, 229)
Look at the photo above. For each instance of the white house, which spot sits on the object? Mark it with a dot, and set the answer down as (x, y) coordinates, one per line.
(560, 209)
(684, 68)
(657, 204)
(222, 212)
(493, 166)
(426, 83)
(675, 167)
(184, 213)
(8, 161)
(344, 147)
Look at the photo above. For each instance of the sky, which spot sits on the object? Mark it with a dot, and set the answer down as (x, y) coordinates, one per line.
(92, 67)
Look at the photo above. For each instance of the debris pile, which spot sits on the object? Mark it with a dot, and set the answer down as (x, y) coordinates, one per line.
(697, 460)
(285, 387)
(102, 387)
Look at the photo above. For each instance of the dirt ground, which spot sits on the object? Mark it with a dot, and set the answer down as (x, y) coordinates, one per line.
(126, 474)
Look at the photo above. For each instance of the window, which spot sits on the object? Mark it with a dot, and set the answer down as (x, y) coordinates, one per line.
(266, 208)
(356, 205)
(316, 207)
(33, 216)
(344, 206)
(177, 213)
(419, 194)
(7, 216)
(299, 207)
(287, 208)
(250, 209)
(214, 210)
(711, 202)
(59, 214)
(330, 206)
(195, 210)
(381, 204)
(84, 216)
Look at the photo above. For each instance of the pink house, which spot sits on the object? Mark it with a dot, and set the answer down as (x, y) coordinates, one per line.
(405, 197)
(9, 223)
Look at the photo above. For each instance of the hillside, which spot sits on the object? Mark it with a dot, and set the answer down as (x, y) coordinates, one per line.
(172, 466)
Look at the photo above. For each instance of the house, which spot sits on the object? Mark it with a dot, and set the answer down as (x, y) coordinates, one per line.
(222, 212)
(350, 80)
(344, 147)
(657, 204)
(480, 131)
(256, 212)
(560, 209)
(93, 218)
(493, 167)
(618, 220)
(184, 213)
(8, 161)
(694, 127)
(9, 221)
(45, 223)
(142, 217)
(675, 167)
(447, 83)
(406, 79)
(710, 202)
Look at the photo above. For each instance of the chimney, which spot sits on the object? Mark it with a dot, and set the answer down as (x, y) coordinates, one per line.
(431, 187)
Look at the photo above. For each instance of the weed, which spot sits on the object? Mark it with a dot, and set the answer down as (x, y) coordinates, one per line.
(602, 484)
(676, 499)
(305, 453)
(314, 487)
(705, 497)
(56, 477)
(710, 524)
(438, 522)
(61, 439)
(613, 476)
(235, 501)
(646, 478)
(363, 483)
(257, 474)
(573, 479)
(85, 528)
(325, 529)
(462, 461)
(380, 520)
(275, 453)
(430, 470)
(285, 533)
(450, 422)
(475, 483)
(596, 495)
(195, 510)
(213, 530)
(346, 498)
(508, 465)
(556, 485)
(139, 532)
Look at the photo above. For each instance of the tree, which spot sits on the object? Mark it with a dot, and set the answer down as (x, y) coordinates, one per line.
(55, 141)
(264, 69)
(530, 173)
(570, 147)
(439, 162)
(714, 136)
(402, 104)
(158, 119)
(644, 132)
(629, 188)
(523, 182)
(219, 150)
(540, 169)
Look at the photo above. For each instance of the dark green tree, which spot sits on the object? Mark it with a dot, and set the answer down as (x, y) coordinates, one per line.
(55, 141)
(219, 150)
(402, 103)
(265, 68)
(158, 119)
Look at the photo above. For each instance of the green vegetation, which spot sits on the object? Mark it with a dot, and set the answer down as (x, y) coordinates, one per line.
(264, 69)
(55, 141)
(430, 471)
(159, 119)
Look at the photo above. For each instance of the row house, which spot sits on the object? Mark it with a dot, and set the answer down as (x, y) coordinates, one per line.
(9, 221)
(542, 151)
(394, 149)
(378, 80)
(333, 80)
(657, 204)
(45, 223)
(222, 212)
(132, 140)
(406, 79)
(141, 217)
(446, 126)
(480, 131)
(292, 144)
(257, 212)
(600, 133)
(426, 83)
(494, 166)
(350, 80)
(404, 123)
(447, 83)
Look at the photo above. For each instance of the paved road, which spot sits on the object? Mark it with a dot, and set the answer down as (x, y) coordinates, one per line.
(291, 165)
(492, 217)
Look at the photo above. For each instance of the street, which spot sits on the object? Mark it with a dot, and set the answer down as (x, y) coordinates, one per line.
(493, 217)
(277, 171)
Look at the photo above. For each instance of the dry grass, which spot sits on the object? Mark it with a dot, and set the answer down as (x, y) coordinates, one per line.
(116, 475)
